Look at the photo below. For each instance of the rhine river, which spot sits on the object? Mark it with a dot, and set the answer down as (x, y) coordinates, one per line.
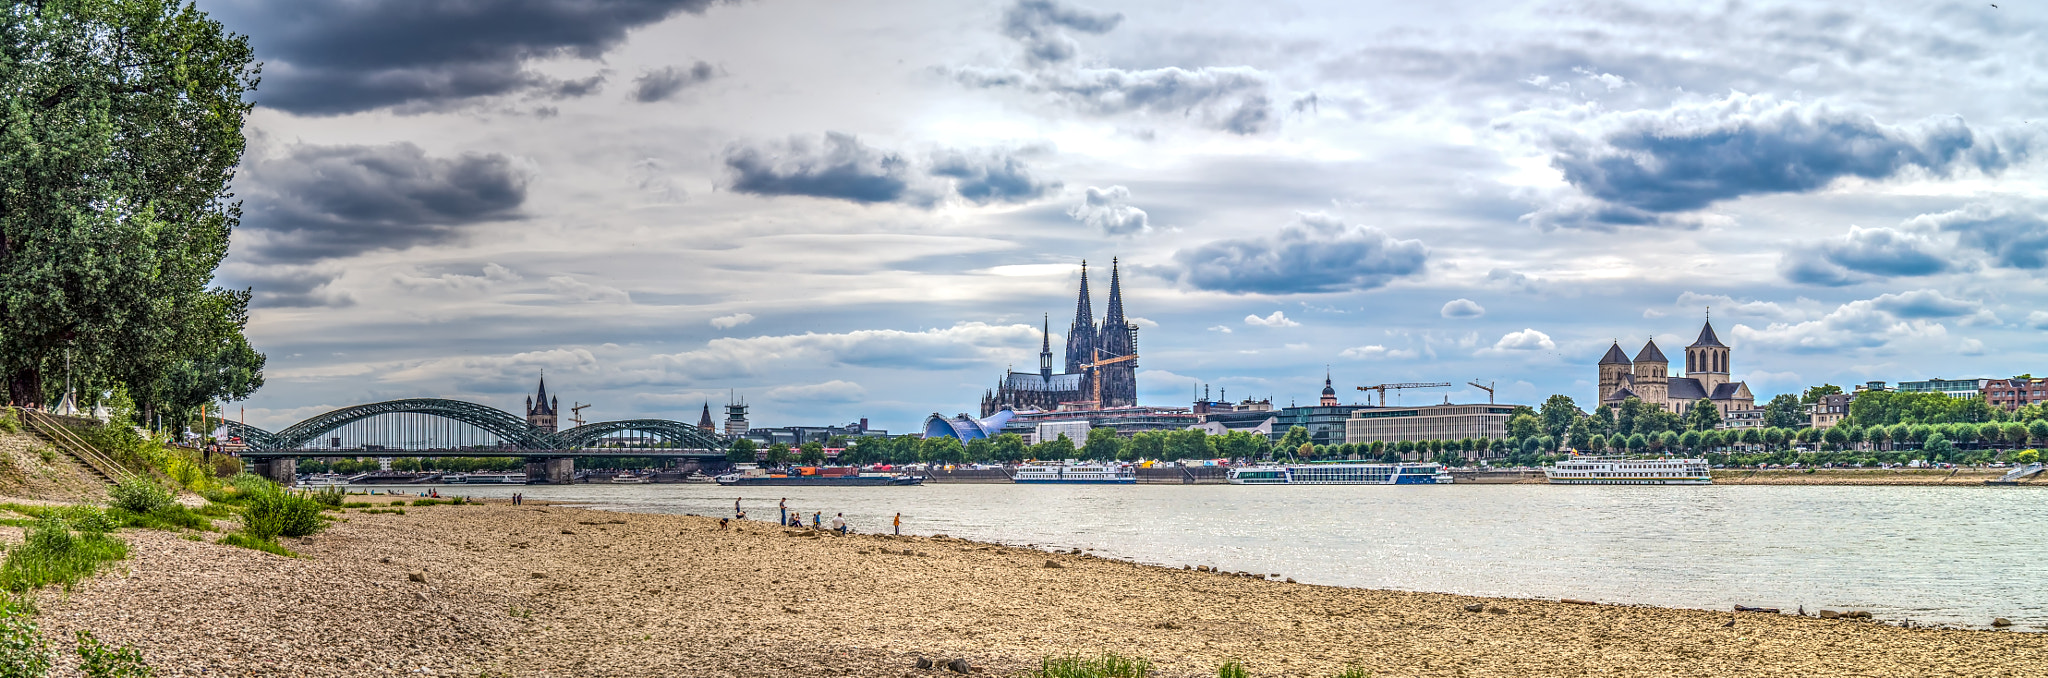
(1929, 554)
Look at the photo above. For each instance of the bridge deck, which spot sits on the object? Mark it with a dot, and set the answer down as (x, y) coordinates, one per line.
(663, 453)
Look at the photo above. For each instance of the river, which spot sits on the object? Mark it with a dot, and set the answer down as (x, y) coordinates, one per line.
(1929, 554)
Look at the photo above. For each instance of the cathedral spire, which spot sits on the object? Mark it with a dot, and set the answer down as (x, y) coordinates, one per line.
(1081, 336)
(1045, 349)
(1115, 338)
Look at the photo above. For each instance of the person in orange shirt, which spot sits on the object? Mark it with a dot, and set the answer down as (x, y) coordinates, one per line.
(899, 524)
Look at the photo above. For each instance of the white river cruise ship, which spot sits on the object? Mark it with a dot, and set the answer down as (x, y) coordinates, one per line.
(1614, 471)
(1341, 473)
(1075, 474)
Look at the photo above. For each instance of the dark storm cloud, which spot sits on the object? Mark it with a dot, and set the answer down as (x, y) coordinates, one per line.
(659, 85)
(568, 89)
(1315, 253)
(1650, 167)
(1920, 304)
(333, 201)
(1864, 254)
(287, 285)
(843, 168)
(2014, 236)
(1036, 24)
(328, 58)
(1232, 99)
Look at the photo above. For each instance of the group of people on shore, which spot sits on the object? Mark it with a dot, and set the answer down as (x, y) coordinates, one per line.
(796, 518)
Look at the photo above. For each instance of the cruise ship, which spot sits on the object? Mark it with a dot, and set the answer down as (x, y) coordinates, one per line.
(1075, 474)
(1579, 470)
(1341, 473)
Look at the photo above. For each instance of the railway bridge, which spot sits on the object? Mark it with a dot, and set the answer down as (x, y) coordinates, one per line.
(437, 427)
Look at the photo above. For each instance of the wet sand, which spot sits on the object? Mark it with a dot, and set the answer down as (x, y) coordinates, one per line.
(557, 591)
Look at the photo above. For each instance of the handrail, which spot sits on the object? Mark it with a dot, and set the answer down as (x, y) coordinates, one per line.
(64, 439)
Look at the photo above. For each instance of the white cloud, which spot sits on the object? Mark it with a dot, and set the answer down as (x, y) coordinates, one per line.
(1462, 308)
(1277, 319)
(1886, 320)
(1377, 351)
(726, 322)
(1220, 328)
(578, 290)
(1970, 347)
(2038, 320)
(1524, 340)
(1106, 211)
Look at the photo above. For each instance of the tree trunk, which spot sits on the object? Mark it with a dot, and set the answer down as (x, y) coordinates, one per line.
(25, 388)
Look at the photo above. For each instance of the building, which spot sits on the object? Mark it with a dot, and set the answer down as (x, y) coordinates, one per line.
(795, 436)
(1217, 417)
(1429, 422)
(1087, 343)
(2017, 392)
(540, 409)
(1647, 377)
(1953, 388)
(1741, 419)
(1326, 424)
(735, 418)
(704, 421)
(965, 427)
(1075, 424)
(1831, 409)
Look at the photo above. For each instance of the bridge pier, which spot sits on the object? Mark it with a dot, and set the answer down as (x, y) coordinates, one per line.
(281, 470)
(551, 471)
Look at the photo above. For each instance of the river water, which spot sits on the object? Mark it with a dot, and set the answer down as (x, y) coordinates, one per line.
(1930, 554)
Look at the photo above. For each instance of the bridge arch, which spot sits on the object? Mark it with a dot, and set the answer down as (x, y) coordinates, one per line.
(511, 429)
(252, 436)
(684, 435)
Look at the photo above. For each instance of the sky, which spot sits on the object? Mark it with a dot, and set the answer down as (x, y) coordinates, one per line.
(845, 210)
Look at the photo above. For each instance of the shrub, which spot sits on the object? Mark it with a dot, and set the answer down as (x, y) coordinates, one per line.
(1354, 672)
(175, 517)
(249, 542)
(331, 496)
(275, 513)
(213, 510)
(10, 422)
(1232, 669)
(356, 504)
(98, 660)
(1108, 665)
(23, 652)
(141, 495)
(86, 518)
(53, 555)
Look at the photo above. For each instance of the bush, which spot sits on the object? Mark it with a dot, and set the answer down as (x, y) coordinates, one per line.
(1108, 665)
(53, 555)
(331, 496)
(1232, 670)
(10, 422)
(23, 652)
(98, 660)
(176, 517)
(249, 542)
(2026, 456)
(141, 495)
(271, 514)
(86, 518)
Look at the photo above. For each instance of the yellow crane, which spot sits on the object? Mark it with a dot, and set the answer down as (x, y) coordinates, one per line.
(1099, 361)
(576, 412)
(1382, 388)
(1488, 388)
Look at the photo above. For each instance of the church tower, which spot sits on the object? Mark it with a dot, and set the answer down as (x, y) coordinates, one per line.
(704, 421)
(1117, 338)
(1614, 371)
(1081, 335)
(540, 411)
(1653, 376)
(1707, 359)
(1329, 392)
(1045, 350)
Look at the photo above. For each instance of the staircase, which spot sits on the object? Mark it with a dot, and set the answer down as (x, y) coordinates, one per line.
(2014, 476)
(60, 436)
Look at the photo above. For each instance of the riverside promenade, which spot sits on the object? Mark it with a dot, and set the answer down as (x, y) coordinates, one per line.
(558, 591)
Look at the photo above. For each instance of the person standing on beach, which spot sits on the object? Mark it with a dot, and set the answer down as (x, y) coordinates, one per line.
(839, 523)
(818, 519)
(784, 505)
(736, 512)
(899, 524)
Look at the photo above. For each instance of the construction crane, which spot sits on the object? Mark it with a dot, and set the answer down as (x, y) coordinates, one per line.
(1099, 361)
(576, 412)
(1488, 388)
(1382, 388)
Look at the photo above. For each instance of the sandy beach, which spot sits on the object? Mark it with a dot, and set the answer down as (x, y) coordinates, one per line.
(1969, 477)
(559, 591)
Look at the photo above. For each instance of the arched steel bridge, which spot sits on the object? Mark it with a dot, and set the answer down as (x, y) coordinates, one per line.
(438, 427)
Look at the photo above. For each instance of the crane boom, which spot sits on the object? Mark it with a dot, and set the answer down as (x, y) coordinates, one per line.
(1383, 388)
(1100, 361)
(1488, 388)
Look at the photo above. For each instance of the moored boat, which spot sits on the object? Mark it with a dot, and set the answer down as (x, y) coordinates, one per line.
(1075, 474)
(1585, 470)
(628, 479)
(1340, 473)
(845, 476)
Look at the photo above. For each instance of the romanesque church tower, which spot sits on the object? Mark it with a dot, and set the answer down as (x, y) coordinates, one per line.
(1652, 375)
(1707, 359)
(1614, 373)
(540, 411)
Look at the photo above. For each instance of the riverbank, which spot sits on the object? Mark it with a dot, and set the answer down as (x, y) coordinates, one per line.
(1901, 476)
(558, 591)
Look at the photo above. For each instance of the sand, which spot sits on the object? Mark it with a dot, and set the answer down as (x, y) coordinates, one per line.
(556, 591)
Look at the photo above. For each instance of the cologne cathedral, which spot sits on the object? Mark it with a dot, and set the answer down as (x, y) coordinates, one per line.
(1087, 343)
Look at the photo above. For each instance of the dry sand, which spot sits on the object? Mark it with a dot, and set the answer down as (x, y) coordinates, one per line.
(556, 591)
(1969, 477)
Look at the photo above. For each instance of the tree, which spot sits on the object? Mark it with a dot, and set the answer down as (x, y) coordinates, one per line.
(938, 450)
(811, 453)
(1785, 411)
(1937, 447)
(1702, 416)
(778, 454)
(1295, 437)
(1625, 418)
(2026, 456)
(2037, 431)
(1638, 442)
(1524, 426)
(1146, 445)
(1815, 393)
(1189, 444)
(124, 126)
(979, 449)
(2014, 433)
(1835, 436)
(1557, 415)
(1009, 448)
(1102, 445)
(1057, 449)
(1595, 443)
(1690, 440)
(1240, 444)
(741, 451)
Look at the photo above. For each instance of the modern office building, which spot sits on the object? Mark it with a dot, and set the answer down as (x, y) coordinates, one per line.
(794, 436)
(1325, 423)
(1075, 424)
(1218, 417)
(1741, 419)
(1953, 388)
(1432, 422)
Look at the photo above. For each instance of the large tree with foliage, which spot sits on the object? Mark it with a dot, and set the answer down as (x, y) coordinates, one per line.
(1784, 411)
(122, 122)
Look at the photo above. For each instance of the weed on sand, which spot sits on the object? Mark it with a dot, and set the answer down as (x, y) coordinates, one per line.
(53, 554)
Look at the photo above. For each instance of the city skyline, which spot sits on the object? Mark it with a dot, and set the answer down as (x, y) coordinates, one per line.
(843, 213)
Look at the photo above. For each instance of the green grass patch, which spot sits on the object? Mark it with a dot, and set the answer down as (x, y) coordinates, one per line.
(398, 511)
(100, 660)
(1354, 672)
(1106, 665)
(269, 515)
(212, 510)
(174, 517)
(249, 542)
(54, 554)
(356, 504)
(1232, 669)
(23, 651)
(141, 496)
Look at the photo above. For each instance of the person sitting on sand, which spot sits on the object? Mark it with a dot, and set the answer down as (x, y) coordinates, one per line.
(839, 523)
(723, 524)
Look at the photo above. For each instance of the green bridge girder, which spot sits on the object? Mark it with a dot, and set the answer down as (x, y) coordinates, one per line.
(520, 436)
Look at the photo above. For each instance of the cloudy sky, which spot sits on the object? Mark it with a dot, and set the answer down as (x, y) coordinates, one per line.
(864, 209)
